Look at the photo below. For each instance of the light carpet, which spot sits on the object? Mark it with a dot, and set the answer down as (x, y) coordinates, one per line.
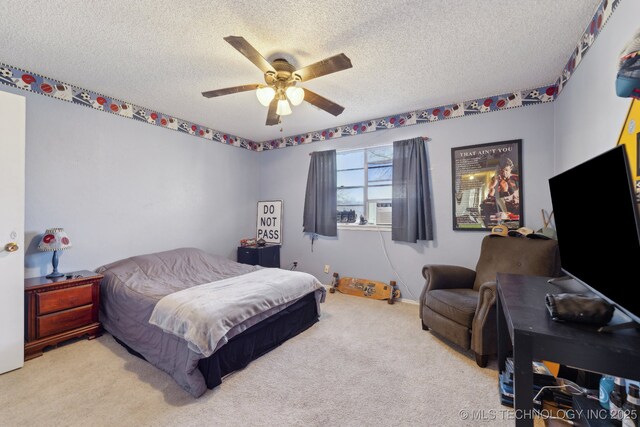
(366, 363)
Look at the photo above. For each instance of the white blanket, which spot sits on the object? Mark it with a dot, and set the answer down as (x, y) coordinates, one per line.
(208, 315)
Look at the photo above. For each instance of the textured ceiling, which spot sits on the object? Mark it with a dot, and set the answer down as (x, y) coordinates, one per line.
(406, 55)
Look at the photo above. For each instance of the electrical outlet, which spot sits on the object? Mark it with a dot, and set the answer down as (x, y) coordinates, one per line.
(326, 268)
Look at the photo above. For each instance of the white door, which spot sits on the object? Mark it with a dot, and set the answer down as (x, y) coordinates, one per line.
(12, 131)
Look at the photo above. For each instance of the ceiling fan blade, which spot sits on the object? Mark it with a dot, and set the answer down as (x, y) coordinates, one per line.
(322, 103)
(272, 117)
(326, 66)
(249, 52)
(229, 90)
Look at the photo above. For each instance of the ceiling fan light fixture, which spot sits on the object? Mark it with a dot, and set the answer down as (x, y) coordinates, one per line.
(281, 77)
(295, 95)
(265, 95)
(284, 109)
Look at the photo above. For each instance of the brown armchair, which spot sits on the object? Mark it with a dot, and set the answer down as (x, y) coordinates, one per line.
(458, 304)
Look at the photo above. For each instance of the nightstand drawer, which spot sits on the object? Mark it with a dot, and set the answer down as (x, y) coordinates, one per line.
(248, 254)
(64, 321)
(49, 302)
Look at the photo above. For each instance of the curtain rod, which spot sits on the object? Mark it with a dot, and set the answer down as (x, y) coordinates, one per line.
(424, 138)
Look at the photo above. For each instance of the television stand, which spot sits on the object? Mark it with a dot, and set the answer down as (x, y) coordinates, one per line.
(619, 322)
(524, 321)
(568, 284)
(619, 326)
(559, 279)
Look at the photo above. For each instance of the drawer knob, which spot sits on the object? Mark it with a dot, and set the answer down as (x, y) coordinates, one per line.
(11, 247)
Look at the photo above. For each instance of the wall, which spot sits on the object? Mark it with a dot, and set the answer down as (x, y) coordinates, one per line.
(588, 114)
(360, 253)
(122, 188)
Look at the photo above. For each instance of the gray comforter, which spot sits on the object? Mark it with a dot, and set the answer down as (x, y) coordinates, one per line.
(131, 289)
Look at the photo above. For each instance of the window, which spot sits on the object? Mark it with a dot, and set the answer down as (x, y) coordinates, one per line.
(364, 185)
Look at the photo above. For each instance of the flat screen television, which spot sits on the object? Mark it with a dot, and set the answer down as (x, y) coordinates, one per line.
(597, 223)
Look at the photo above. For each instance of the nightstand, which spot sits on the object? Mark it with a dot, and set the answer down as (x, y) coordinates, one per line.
(266, 256)
(60, 309)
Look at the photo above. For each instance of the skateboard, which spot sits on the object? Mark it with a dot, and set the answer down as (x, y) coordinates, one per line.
(365, 288)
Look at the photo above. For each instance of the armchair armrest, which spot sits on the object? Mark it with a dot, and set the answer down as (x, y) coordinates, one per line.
(484, 335)
(446, 277)
(486, 299)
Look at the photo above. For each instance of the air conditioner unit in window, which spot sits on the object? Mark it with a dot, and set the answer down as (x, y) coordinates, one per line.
(383, 213)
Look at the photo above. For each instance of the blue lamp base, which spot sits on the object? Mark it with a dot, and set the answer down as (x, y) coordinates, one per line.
(55, 273)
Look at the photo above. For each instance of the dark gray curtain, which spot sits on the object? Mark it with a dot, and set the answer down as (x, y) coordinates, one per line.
(411, 200)
(320, 204)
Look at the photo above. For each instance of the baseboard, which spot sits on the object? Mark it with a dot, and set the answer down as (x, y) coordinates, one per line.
(408, 301)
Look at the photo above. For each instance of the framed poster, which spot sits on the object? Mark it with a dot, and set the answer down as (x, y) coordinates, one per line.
(269, 224)
(487, 186)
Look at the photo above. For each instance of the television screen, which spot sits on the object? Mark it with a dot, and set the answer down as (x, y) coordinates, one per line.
(596, 218)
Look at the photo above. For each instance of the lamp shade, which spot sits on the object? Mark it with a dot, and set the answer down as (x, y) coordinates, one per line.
(54, 239)
(284, 108)
(265, 95)
(295, 95)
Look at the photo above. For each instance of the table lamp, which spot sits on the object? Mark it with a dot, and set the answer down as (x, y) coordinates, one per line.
(54, 239)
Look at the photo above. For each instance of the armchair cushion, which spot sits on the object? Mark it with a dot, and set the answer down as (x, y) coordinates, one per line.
(445, 277)
(458, 305)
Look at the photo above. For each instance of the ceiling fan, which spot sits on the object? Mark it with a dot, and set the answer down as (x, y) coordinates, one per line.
(281, 79)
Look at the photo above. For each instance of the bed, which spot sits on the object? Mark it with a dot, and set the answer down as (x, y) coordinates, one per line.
(199, 317)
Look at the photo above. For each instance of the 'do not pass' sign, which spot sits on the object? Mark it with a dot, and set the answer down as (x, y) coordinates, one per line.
(269, 226)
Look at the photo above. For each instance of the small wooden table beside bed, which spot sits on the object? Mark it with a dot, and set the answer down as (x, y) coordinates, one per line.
(198, 316)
